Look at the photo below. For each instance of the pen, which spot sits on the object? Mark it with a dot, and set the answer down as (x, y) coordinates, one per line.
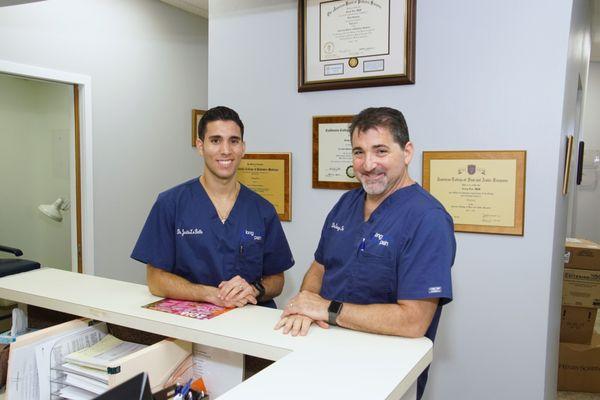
(186, 389)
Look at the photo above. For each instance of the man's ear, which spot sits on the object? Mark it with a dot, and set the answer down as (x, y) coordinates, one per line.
(200, 147)
(408, 152)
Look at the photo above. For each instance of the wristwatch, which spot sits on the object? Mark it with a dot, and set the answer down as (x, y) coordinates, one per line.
(335, 308)
(260, 287)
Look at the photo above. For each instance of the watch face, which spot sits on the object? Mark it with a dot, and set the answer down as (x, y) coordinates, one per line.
(335, 307)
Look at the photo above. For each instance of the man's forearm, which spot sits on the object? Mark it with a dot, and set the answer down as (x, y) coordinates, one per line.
(166, 284)
(273, 286)
(314, 278)
(408, 319)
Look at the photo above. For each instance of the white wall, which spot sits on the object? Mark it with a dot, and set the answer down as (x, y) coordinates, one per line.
(489, 76)
(36, 127)
(147, 61)
(587, 218)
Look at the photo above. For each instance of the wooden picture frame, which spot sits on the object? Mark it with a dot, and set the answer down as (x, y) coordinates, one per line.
(196, 116)
(567, 169)
(344, 45)
(484, 191)
(269, 175)
(330, 169)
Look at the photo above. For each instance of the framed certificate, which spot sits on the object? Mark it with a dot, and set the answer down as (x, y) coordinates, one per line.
(484, 191)
(332, 153)
(567, 170)
(269, 174)
(196, 116)
(349, 44)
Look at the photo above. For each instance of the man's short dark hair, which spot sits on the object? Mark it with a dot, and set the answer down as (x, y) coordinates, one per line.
(219, 113)
(381, 117)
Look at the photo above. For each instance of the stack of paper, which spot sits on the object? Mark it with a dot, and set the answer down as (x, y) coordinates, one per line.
(34, 357)
(85, 371)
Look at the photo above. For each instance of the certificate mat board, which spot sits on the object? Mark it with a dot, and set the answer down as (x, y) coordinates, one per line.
(349, 44)
(483, 191)
(269, 175)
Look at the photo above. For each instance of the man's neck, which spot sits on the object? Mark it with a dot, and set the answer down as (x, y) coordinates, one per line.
(373, 201)
(218, 187)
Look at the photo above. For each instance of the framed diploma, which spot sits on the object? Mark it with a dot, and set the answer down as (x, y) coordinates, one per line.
(355, 43)
(269, 174)
(567, 170)
(196, 115)
(332, 153)
(484, 191)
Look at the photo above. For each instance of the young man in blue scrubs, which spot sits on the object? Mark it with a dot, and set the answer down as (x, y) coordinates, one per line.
(212, 239)
(384, 258)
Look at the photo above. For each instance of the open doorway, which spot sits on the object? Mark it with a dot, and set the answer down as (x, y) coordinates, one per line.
(63, 180)
(39, 172)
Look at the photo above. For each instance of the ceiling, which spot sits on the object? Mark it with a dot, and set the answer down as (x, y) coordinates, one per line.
(198, 7)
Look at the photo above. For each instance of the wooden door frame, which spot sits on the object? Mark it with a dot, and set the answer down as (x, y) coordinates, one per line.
(82, 227)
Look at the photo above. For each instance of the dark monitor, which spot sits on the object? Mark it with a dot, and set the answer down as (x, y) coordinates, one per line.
(136, 388)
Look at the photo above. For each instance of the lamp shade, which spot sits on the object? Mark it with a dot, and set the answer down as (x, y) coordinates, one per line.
(54, 210)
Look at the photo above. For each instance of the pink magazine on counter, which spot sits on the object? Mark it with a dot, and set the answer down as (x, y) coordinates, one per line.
(190, 309)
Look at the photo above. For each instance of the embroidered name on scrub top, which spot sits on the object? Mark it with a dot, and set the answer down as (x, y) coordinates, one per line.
(195, 231)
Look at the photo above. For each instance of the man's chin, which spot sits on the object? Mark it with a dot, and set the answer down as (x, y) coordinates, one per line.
(373, 190)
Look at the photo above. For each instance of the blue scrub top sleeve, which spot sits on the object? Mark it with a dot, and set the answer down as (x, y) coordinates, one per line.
(424, 265)
(277, 256)
(156, 244)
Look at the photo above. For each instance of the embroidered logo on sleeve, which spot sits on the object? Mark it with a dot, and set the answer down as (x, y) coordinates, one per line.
(194, 231)
(434, 289)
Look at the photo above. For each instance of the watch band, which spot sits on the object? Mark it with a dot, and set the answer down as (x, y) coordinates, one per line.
(261, 289)
(334, 310)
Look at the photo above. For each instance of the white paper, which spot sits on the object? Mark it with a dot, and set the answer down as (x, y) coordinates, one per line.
(73, 393)
(19, 322)
(220, 370)
(573, 240)
(51, 354)
(101, 376)
(23, 382)
(91, 385)
(103, 353)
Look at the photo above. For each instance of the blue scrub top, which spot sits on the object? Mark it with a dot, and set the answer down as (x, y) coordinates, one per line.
(403, 252)
(185, 236)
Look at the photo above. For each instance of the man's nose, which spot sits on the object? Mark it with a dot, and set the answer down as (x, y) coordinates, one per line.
(369, 162)
(225, 147)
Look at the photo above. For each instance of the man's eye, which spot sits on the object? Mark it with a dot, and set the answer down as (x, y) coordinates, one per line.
(356, 152)
(214, 141)
(382, 151)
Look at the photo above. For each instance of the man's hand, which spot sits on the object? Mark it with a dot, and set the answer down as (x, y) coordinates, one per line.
(298, 324)
(308, 304)
(236, 292)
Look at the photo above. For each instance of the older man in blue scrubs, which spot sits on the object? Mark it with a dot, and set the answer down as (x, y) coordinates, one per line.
(384, 258)
(212, 239)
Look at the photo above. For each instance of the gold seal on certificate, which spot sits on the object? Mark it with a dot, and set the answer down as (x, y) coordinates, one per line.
(332, 153)
(337, 36)
(482, 191)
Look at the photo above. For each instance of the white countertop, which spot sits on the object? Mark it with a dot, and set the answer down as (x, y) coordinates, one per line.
(328, 363)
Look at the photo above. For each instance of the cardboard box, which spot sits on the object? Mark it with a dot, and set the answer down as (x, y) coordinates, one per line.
(581, 288)
(577, 324)
(579, 366)
(582, 254)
